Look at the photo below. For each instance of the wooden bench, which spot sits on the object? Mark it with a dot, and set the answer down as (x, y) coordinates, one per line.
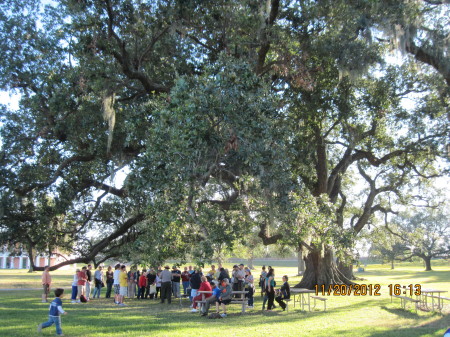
(440, 299)
(323, 299)
(405, 299)
(241, 299)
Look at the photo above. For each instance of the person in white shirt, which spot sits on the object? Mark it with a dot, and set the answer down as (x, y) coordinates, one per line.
(116, 284)
(158, 284)
(75, 287)
(98, 281)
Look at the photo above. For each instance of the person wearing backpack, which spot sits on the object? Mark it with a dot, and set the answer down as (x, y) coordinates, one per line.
(270, 290)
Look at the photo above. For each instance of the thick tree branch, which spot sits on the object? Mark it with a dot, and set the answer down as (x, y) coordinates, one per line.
(124, 58)
(197, 40)
(264, 235)
(264, 34)
(321, 165)
(193, 214)
(437, 2)
(225, 203)
(77, 158)
(121, 193)
(102, 244)
(425, 56)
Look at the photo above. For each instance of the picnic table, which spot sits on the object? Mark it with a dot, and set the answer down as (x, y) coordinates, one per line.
(433, 294)
(404, 300)
(241, 299)
(421, 300)
(301, 296)
(203, 293)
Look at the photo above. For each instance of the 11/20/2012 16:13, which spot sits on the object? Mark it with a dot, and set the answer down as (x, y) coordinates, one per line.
(367, 289)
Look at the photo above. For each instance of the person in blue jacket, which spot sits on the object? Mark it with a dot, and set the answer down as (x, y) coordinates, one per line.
(212, 299)
(55, 312)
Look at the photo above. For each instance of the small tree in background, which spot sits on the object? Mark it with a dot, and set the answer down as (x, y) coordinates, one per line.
(387, 247)
(427, 234)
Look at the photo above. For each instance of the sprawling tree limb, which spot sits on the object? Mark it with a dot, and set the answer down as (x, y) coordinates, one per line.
(267, 23)
(102, 244)
(369, 209)
(321, 164)
(193, 214)
(224, 204)
(424, 55)
(340, 210)
(335, 178)
(124, 58)
(197, 41)
(437, 2)
(77, 158)
(121, 193)
(264, 235)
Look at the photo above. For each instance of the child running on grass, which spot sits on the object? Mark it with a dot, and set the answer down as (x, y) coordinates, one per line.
(54, 314)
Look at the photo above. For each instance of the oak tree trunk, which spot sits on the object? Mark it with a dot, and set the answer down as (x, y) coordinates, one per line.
(427, 261)
(346, 269)
(301, 262)
(250, 262)
(321, 269)
(31, 256)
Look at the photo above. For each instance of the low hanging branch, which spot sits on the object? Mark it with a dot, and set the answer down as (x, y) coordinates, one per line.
(77, 158)
(266, 238)
(99, 246)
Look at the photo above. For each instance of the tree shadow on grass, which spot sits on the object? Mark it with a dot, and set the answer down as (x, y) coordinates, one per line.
(402, 313)
(375, 301)
(438, 328)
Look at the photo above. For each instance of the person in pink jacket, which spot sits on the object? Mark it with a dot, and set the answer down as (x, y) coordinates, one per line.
(46, 282)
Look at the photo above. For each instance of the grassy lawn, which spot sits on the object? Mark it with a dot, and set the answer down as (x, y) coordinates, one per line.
(21, 311)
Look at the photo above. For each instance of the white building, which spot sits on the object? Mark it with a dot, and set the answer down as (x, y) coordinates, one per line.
(8, 261)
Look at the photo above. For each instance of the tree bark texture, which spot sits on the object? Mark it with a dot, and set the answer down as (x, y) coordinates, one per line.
(321, 269)
(346, 269)
(427, 261)
(301, 262)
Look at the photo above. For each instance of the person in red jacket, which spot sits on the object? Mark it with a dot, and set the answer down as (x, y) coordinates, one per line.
(185, 278)
(204, 286)
(142, 284)
(81, 284)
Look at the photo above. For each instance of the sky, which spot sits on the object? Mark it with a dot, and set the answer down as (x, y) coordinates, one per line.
(10, 100)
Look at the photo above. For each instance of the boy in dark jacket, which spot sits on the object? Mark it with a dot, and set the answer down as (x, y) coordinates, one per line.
(55, 312)
(284, 293)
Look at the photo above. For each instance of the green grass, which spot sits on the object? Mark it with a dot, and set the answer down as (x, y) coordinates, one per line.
(21, 311)
(21, 278)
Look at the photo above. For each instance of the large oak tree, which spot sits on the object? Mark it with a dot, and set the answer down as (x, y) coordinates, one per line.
(220, 115)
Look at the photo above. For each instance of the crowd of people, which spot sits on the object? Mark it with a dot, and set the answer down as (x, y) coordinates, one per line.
(166, 283)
